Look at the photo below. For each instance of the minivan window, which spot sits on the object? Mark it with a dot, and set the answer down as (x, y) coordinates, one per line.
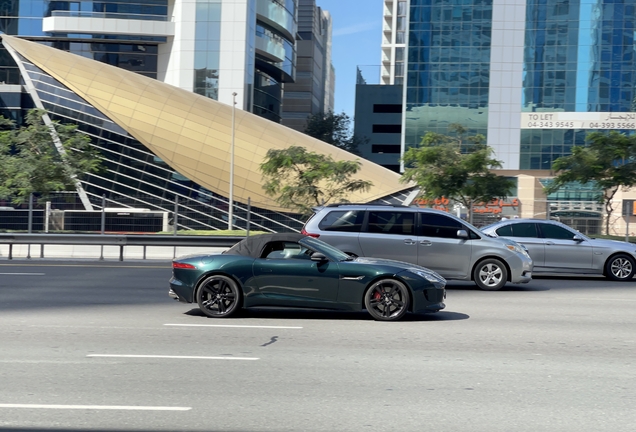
(392, 222)
(434, 225)
(347, 221)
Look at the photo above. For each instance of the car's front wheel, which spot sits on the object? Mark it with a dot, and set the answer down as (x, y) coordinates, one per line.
(620, 267)
(387, 300)
(490, 274)
(218, 296)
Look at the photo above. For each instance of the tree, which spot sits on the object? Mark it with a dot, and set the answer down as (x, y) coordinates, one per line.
(609, 161)
(30, 162)
(443, 166)
(334, 129)
(300, 179)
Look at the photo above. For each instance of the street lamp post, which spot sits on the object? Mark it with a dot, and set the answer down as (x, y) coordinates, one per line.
(231, 197)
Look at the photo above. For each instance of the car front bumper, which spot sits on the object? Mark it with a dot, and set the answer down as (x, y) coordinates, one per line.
(520, 269)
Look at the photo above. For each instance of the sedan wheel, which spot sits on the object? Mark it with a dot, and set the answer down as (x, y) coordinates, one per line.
(218, 296)
(620, 267)
(490, 275)
(387, 300)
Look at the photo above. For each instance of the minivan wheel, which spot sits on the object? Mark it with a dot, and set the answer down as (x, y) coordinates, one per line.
(620, 267)
(490, 275)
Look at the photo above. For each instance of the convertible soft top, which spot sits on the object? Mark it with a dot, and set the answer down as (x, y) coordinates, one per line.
(253, 246)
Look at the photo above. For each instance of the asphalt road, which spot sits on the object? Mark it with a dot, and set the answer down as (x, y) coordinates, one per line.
(89, 346)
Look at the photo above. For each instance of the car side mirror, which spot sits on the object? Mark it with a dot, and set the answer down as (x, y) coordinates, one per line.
(317, 256)
(577, 238)
(462, 234)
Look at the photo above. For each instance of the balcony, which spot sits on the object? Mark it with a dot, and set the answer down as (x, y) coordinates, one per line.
(108, 23)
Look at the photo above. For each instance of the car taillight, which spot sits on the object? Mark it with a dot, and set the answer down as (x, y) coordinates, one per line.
(303, 232)
(180, 265)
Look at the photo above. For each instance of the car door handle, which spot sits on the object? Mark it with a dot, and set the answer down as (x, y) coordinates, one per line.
(409, 241)
(426, 242)
(549, 243)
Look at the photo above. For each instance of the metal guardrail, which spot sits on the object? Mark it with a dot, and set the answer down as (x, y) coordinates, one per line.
(121, 240)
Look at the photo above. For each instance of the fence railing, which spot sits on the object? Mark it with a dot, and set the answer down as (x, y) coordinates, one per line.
(115, 240)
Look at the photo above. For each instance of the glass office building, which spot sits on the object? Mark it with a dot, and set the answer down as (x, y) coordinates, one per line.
(534, 76)
(174, 42)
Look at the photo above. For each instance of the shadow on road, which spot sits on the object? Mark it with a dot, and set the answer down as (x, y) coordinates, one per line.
(314, 314)
(453, 285)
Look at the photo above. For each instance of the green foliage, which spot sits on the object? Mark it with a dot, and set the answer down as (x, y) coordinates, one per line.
(444, 166)
(334, 129)
(31, 163)
(300, 179)
(609, 160)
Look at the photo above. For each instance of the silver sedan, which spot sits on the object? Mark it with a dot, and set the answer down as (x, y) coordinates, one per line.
(557, 248)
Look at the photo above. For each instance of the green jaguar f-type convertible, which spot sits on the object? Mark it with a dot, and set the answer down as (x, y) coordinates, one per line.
(297, 271)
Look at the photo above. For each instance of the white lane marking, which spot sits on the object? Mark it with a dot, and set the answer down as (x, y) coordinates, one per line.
(597, 299)
(232, 326)
(171, 357)
(97, 407)
(24, 274)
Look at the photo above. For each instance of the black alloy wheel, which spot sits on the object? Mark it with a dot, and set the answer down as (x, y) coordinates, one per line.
(620, 267)
(218, 296)
(387, 300)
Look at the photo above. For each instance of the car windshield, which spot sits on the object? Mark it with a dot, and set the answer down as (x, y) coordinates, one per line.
(327, 249)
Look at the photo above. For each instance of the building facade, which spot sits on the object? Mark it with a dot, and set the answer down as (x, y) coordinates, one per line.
(211, 47)
(394, 36)
(313, 90)
(378, 122)
(163, 146)
(534, 76)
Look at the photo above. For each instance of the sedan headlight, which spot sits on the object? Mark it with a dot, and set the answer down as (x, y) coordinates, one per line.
(519, 249)
(428, 276)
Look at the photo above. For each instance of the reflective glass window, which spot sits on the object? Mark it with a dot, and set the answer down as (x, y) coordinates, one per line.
(392, 222)
(436, 225)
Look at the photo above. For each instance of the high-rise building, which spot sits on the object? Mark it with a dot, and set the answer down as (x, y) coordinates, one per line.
(313, 90)
(534, 76)
(211, 47)
(394, 35)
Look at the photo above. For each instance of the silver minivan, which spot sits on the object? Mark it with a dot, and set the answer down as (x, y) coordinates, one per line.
(431, 238)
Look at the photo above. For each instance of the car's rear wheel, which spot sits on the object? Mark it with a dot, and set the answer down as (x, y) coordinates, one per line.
(218, 296)
(620, 267)
(490, 275)
(387, 300)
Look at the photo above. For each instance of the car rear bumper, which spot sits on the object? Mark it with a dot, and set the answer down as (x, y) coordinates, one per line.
(180, 291)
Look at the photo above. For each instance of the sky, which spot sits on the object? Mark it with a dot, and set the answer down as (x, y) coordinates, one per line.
(357, 38)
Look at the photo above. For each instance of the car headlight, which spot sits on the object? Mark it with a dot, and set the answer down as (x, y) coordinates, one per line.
(428, 276)
(519, 249)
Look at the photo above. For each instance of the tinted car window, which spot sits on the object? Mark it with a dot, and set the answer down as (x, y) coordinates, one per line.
(524, 229)
(392, 222)
(556, 232)
(349, 221)
(504, 231)
(434, 225)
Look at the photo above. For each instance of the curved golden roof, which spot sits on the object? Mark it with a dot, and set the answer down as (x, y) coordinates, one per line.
(189, 132)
